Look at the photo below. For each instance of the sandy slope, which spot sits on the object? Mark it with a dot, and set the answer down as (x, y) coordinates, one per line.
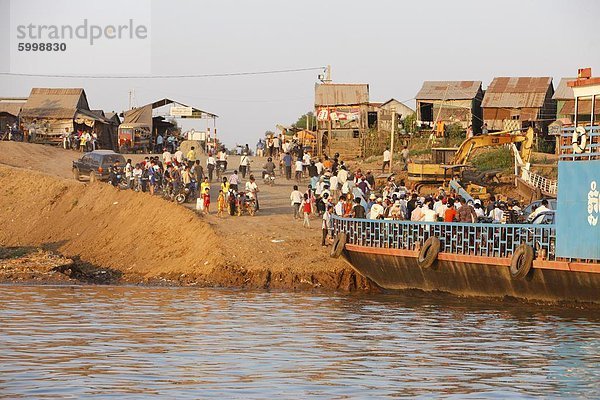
(147, 239)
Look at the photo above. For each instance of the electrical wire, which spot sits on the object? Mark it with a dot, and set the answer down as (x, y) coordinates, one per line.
(215, 75)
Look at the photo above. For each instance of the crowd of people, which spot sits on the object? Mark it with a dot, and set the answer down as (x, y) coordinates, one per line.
(182, 176)
(80, 140)
(333, 190)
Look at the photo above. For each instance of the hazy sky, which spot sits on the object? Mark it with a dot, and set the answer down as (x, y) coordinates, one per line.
(391, 45)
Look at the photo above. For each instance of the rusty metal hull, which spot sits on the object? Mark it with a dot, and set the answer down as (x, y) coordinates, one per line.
(396, 272)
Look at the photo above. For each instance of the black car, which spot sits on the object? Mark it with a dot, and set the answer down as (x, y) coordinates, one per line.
(96, 164)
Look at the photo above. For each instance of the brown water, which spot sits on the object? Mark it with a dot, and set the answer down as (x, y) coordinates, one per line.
(84, 342)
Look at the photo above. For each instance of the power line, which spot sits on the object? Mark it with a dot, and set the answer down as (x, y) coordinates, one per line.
(215, 75)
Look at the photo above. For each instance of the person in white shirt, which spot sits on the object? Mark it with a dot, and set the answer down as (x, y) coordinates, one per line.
(441, 211)
(342, 175)
(276, 145)
(428, 215)
(319, 166)
(179, 155)
(129, 173)
(437, 204)
(387, 157)
(326, 226)
(540, 209)
(339, 207)
(167, 156)
(252, 188)
(244, 165)
(299, 167)
(377, 209)
(346, 187)
(333, 185)
(478, 210)
(305, 162)
(417, 213)
(497, 214)
(222, 157)
(296, 199)
(210, 166)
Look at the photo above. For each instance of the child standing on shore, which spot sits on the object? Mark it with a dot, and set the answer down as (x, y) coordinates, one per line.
(306, 208)
(220, 203)
(206, 200)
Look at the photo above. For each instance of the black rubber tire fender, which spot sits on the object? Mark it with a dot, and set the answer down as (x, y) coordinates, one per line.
(521, 261)
(338, 245)
(429, 252)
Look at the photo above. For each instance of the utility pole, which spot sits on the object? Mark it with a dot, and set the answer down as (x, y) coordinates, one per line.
(327, 77)
(392, 134)
(131, 98)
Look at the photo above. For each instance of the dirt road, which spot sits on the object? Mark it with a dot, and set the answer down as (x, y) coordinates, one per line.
(267, 250)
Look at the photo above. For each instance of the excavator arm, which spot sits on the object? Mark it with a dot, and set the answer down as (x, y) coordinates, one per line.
(495, 139)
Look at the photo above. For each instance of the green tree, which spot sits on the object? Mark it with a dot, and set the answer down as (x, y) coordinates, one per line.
(410, 123)
(306, 121)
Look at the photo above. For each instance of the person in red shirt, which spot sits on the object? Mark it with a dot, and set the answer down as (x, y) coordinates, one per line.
(450, 214)
(206, 200)
(306, 209)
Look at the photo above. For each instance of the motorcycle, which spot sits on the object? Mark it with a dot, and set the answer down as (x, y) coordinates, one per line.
(221, 167)
(185, 194)
(268, 179)
(246, 204)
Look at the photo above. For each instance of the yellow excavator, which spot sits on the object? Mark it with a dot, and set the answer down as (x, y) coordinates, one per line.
(422, 173)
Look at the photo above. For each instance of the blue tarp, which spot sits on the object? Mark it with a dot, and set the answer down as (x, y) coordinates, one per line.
(578, 210)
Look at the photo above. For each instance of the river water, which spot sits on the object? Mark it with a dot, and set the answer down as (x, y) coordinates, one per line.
(86, 342)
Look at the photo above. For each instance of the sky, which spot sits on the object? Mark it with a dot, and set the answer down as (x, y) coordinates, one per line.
(391, 45)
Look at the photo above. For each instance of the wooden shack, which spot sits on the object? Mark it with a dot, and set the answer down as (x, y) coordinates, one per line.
(450, 102)
(10, 107)
(384, 117)
(48, 112)
(342, 118)
(519, 102)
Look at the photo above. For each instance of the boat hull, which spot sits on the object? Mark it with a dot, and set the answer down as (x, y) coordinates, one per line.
(474, 276)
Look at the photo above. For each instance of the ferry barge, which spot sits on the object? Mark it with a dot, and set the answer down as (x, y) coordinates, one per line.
(557, 262)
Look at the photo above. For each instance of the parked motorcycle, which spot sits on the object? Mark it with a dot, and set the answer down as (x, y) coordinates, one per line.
(246, 204)
(186, 193)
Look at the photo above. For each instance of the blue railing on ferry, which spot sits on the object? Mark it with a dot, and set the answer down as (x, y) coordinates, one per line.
(477, 239)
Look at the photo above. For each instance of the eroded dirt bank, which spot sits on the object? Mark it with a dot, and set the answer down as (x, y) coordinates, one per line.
(96, 233)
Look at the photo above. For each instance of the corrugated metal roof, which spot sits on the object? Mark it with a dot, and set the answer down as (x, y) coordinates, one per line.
(448, 90)
(563, 91)
(54, 103)
(337, 94)
(516, 92)
(12, 106)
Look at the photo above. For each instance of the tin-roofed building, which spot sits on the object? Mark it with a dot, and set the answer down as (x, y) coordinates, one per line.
(450, 102)
(10, 107)
(385, 111)
(342, 118)
(48, 112)
(519, 102)
(565, 103)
